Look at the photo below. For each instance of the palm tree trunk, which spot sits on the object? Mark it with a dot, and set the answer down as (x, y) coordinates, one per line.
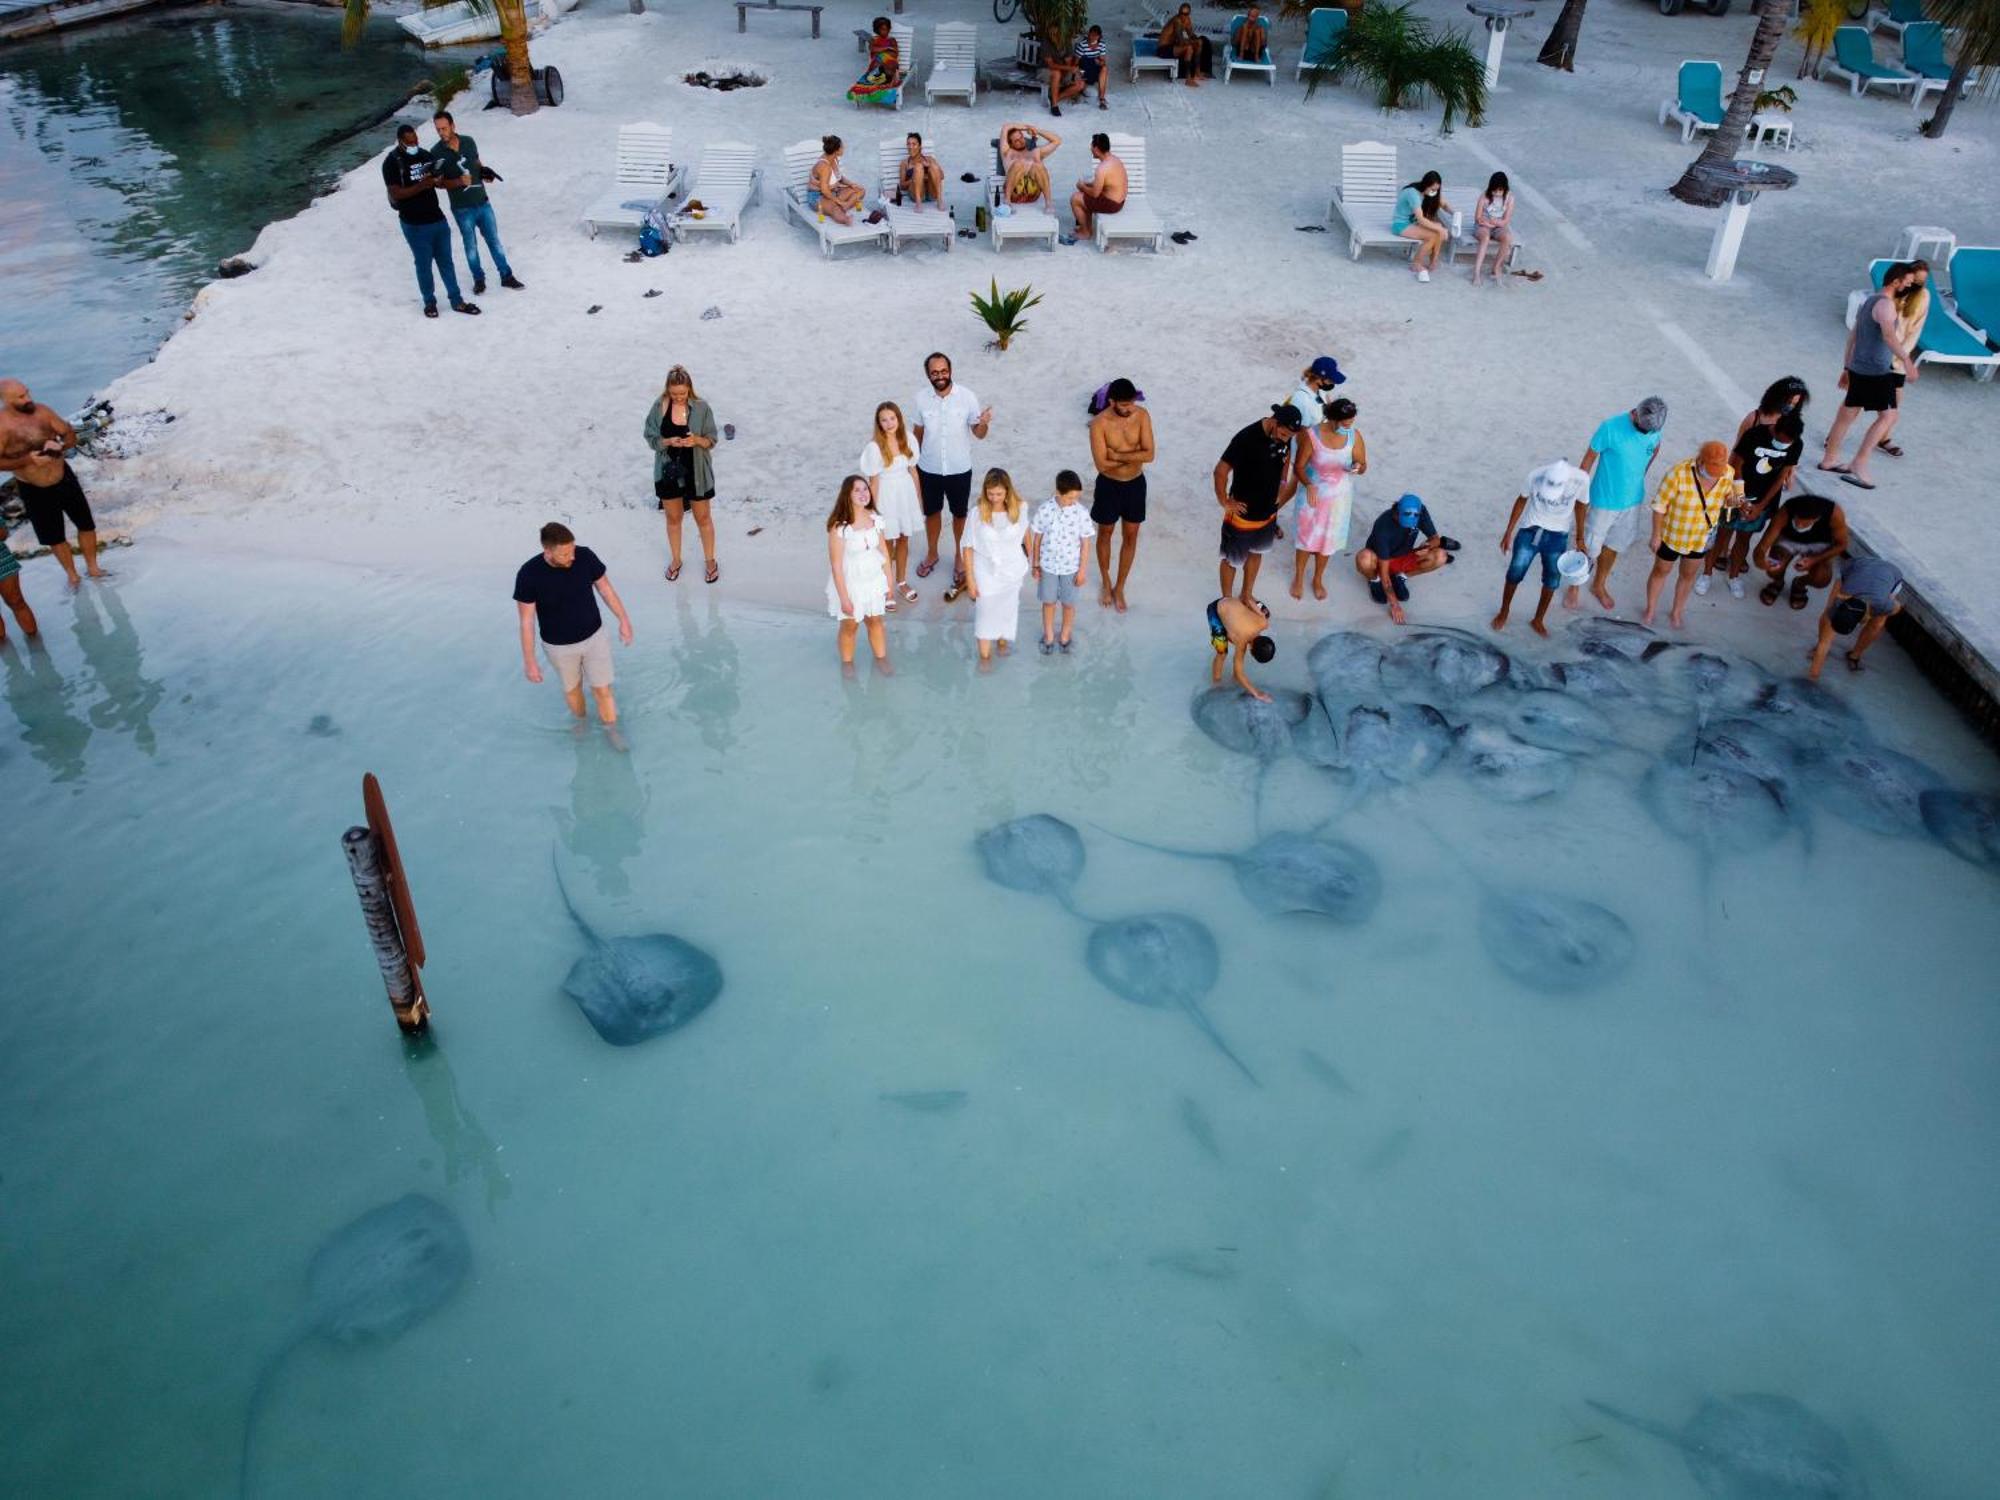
(1726, 139)
(1934, 126)
(520, 71)
(1559, 51)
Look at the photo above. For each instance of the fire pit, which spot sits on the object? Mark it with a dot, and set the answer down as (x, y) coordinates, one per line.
(723, 82)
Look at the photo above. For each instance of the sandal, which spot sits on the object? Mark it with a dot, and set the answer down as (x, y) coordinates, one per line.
(1856, 480)
(925, 569)
(673, 571)
(1770, 591)
(910, 594)
(1893, 451)
(714, 572)
(1798, 599)
(1854, 663)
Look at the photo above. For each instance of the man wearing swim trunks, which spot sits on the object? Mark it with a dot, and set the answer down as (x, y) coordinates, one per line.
(1231, 622)
(10, 591)
(1024, 154)
(1121, 445)
(942, 417)
(1253, 481)
(33, 440)
(1101, 193)
(1404, 540)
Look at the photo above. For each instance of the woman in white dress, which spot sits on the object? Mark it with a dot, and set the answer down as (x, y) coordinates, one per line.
(857, 592)
(996, 561)
(890, 467)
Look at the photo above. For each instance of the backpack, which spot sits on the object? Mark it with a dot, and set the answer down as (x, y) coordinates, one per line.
(653, 236)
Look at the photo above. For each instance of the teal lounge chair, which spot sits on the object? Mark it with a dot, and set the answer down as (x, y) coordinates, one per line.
(1324, 29)
(1853, 58)
(1946, 338)
(1234, 63)
(1923, 55)
(1698, 105)
(1975, 288)
(1900, 15)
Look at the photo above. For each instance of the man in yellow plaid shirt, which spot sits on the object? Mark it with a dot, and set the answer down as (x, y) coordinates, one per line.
(1690, 504)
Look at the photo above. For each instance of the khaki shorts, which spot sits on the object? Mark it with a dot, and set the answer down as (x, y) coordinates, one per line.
(1613, 530)
(588, 661)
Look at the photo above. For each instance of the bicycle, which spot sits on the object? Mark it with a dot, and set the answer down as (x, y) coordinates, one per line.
(1005, 10)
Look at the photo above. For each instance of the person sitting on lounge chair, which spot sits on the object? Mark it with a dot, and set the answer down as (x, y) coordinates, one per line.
(827, 190)
(1101, 193)
(1024, 154)
(1191, 51)
(1250, 38)
(883, 76)
(919, 176)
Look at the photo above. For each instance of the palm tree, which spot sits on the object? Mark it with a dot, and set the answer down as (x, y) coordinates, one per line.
(1408, 61)
(513, 37)
(1056, 23)
(1978, 23)
(1725, 139)
(1559, 51)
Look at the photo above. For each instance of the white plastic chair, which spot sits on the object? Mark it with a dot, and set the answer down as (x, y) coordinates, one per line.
(1136, 220)
(799, 159)
(954, 64)
(725, 185)
(646, 178)
(906, 221)
(1365, 201)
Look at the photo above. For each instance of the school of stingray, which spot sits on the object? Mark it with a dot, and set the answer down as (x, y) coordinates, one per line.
(1737, 761)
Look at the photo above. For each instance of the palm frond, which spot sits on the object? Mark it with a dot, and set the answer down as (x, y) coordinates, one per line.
(1407, 61)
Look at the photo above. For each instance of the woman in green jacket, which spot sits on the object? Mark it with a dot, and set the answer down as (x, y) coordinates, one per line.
(680, 429)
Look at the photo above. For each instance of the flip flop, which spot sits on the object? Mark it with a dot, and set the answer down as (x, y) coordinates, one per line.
(673, 571)
(714, 572)
(1854, 663)
(1890, 448)
(1856, 480)
(925, 569)
(1833, 468)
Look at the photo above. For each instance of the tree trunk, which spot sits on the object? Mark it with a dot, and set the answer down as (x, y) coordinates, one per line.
(1727, 138)
(1934, 126)
(520, 71)
(1559, 51)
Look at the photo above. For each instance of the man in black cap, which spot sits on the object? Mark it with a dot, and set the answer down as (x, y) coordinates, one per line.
(1253, 480)
(411, 178)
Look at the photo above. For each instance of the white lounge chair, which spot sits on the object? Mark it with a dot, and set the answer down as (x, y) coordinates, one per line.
(646, 178)
(1697, 102)
(1018, 221)
(799, 159)
(1146, 54)
(1365, 202)
(724, 187)
(1232, 64)
(1136, 219)
(905, 220)
(954, 63)
(906, 59)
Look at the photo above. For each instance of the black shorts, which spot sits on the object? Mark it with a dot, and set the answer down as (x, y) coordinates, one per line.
(674, 487)
(1667, 554)
(1116, 500)
(1871, 392)
(1092, 68)
(49, 503)
(940, 490)
(1238, 544)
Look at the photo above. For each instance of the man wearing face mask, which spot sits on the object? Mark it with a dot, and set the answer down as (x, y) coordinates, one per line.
(408, 173)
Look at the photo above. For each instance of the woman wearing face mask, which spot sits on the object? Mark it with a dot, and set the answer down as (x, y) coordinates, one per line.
(680, 429)
(1328, 459)
(1420, 213)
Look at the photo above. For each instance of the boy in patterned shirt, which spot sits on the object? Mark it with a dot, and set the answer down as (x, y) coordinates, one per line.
(1057, 555)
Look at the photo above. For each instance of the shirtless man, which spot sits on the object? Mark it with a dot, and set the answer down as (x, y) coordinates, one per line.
(1121, 445)
(1101, 193)
(33, 440)
(1251, 37)
(1231, 622)
(1024, 157)
(828, 191)
(920, 176)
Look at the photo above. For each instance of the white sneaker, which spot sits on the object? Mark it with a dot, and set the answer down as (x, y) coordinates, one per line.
(1423, 276)
(1736, 588)
(1701, 584)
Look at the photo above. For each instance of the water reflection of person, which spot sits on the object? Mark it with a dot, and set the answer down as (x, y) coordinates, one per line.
(40, 700)
(706, 658)
(129, 697)
(465, 1145)
(606, 821)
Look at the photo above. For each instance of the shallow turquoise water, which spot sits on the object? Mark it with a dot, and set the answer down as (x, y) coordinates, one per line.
(134, 156)
(721, 1264)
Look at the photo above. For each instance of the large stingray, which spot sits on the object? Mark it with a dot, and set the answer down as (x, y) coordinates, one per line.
(1161, 959)
(1605, 678)
(1394, 742)
(1236, 721)
(1286, 873)
(632, 989)
(1874, 788)
(1444, 664)
(1564, 721)
(1509, 769)
(1710, 683)
(1715, 808)
(1745, 745)
(370, 1282)
(1315, 739)
(1966, 823)
(1346, 667)
(1759, 1447)
(1608, 635)
(1811, 716)
(1561, 945)
(1039, 854)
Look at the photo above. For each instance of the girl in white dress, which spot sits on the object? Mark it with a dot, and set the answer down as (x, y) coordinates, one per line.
(890, 468)
(996, 560)
(858, 590)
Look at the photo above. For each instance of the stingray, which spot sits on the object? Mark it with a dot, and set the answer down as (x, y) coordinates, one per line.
(1039, 854)
(1346, 666)
(1396, 742)
(1683, 674)
(1874, 788)
(1315, 740)
(1162, 960)
(1811, 716)
(1560, 945)
(371, 1282)
(632, 989)
(1715, 808)
(1509, 769)
(1443, 663)
(1748, 746)
(1236, 721)
(1556, 721)
(1966, 823)
(1291, 873)
(1604, 678)
(1758, 1448)
(1194, 1120)
(1605, 634)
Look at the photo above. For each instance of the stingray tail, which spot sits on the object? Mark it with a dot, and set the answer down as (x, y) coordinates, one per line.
(1156, 848)
(1257, 798)
(555, 859)
(1200, 1018)
(267, 1378)
(1642, 1424)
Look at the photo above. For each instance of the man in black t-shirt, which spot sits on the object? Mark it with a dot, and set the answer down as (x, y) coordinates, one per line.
(409, 174)
(1404, 540)
(555, 591)
(1763, 459)
(1253, 480)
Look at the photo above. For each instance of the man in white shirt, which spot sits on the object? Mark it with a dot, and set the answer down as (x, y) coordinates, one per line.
(1546, 522)
(946, 418)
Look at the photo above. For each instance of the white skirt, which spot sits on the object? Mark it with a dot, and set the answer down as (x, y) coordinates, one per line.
(899, 510)
(996, 613)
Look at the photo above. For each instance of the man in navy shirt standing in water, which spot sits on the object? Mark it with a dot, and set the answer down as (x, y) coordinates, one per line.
(408, 173)
(554, 592)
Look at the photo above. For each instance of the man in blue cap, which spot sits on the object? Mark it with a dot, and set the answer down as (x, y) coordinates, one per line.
(1316, 389)
(1404, 540)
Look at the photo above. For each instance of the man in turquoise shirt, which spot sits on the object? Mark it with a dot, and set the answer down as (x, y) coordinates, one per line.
(1621, 451)
(464, 179)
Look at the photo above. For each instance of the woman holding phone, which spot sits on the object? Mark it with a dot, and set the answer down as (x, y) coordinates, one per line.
(680, 429)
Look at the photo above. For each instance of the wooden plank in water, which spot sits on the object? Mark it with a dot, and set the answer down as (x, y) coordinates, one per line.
(392, 864)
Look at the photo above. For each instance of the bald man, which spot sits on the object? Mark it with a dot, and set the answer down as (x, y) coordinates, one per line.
(33, 440)
(1692, 500)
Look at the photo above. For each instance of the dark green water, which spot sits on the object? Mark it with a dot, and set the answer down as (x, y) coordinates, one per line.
(134, 156)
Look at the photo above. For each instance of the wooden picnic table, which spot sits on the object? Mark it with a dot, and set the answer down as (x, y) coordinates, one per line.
(744, 7)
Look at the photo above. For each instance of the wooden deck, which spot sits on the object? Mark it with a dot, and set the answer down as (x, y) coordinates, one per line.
(26, 18)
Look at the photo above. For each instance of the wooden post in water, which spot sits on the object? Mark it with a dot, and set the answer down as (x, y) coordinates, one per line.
(386, 909)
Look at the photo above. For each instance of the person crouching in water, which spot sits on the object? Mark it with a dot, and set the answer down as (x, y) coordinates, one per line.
(1234, 624)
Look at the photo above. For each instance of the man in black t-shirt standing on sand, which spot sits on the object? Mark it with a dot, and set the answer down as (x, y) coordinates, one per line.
(410, 176)
(1253, 481)
(554, 592)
